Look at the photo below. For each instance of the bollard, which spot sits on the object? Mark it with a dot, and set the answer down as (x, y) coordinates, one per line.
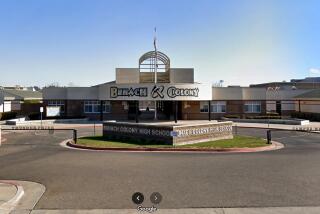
(75, 136)
(269, 136)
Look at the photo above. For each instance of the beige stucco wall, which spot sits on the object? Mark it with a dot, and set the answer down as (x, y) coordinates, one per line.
(308, 106)
(53, 93)
(287, 94)
(238, 93)
(85, 93)
(71, 93)
(181, 75)
(127, 75)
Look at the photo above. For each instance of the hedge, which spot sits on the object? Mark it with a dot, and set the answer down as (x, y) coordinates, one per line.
(34, 116)
(7, 115)
(232, 116)
(263, 117)
(306, 115)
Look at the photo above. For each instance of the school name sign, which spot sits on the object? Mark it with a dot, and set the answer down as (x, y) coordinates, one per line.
(173, 135)
(160, 92)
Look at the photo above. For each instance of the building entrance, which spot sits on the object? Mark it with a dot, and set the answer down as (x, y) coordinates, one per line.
(145, 110)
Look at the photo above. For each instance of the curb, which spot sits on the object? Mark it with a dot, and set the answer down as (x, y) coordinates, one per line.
(3, 140)
(274, 146)
(33, 192)
(13, 202)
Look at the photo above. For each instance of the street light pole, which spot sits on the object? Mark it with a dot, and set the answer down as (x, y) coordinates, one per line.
(155, 69)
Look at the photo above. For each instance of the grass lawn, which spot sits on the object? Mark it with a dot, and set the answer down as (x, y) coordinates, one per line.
(236, 142)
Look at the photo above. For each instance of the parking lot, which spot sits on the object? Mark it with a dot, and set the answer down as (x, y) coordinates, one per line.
(102, 180)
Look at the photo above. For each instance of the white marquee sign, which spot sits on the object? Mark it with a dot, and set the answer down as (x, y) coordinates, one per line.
(159, 92)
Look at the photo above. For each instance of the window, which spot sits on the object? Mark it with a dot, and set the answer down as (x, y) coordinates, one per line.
(218, 106)
(204, 106)
(59, 103)
(93, 106)
(106, 106)
(252, 107)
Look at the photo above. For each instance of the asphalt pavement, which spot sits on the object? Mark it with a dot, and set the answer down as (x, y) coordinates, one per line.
(106, 180)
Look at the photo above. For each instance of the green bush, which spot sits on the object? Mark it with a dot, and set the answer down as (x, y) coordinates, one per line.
(263, 117)
(232, 116)
(34, 116)
(272, 114)
(31, 101)
(7, 115)
(306, 115)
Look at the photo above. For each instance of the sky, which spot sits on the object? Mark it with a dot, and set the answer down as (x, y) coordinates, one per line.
(81, 42)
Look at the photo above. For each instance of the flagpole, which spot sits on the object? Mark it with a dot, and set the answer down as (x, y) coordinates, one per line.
(155, 69)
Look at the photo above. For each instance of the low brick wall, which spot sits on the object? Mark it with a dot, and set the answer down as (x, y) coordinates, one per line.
(197, 133)
(168, 134)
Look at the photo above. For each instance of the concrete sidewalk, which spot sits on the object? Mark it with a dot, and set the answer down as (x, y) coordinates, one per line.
(10, 195)
(7, 191)
(19, 196)
(314, 125)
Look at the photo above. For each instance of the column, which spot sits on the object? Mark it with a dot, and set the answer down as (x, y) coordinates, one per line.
(137, 111)
(176, 111)
(209, 110)
(101, 110)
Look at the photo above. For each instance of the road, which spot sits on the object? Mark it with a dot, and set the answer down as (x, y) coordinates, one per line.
(100, 179)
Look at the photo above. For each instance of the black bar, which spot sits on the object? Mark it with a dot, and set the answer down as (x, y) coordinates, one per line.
(176, 111)
(209, 103)
(101, 110)
(137, 112)
(35, 129)
(75, 136)
(269, 136)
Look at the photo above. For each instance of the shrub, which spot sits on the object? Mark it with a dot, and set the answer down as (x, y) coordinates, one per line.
(232, 116)
(306, 115)
(34, 116)
(264, 117)
(272, 114)
(7, 115)
(31, 101)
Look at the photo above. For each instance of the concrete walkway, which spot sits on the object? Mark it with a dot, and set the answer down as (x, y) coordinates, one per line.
(313, 125)
(19, 196)
(10, 195)
(7, 191)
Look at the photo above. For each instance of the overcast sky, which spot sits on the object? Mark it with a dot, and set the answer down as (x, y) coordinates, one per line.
(83, 41)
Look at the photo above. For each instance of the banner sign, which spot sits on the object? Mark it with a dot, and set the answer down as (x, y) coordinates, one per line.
(53, 111)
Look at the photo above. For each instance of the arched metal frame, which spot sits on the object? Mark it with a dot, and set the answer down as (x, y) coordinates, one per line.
(149, 60)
